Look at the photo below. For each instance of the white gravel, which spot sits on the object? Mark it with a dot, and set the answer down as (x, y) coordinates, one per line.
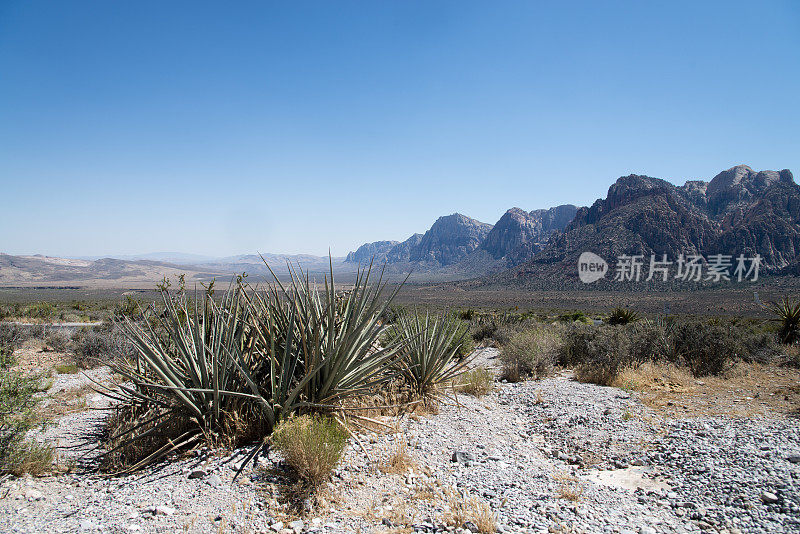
(521, 447)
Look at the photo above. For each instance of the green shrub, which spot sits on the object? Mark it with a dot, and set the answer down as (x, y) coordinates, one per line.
(311, 445)
(574, 317)
(531, 353)
(19, 455)
(706, 348)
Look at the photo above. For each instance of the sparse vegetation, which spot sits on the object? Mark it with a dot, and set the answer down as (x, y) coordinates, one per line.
(18, 454)
(531, 353)
(464, 509)
(312, 445)
(476, 382)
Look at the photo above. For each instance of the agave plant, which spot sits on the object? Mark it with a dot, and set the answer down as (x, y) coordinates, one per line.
(622, 316)
(788, 316)
(327, 340)
(257, 356)
(184, 374)
(429, 355)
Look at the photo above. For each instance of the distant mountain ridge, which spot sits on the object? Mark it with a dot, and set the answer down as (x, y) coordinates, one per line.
(739, 211)
(457, 246)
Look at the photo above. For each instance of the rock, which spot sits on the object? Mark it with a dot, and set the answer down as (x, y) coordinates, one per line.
(133, 527)
(768, 497)
(794, 458)
(647, 530)
(277, 526)
(472, 527)
(462, 457)
(214, 481)
(297, 526)
(164, 510)
(33, 495)
(197, 473)
(85, 524)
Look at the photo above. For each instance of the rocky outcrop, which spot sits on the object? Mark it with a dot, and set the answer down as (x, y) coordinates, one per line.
(449, 240)
(739, 211)
(371, 251)
(519, 234)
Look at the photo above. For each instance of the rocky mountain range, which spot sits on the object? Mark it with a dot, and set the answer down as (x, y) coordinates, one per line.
(740, 211)
(459, 246)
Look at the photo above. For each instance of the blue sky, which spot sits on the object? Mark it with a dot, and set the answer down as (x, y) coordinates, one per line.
(222, 128)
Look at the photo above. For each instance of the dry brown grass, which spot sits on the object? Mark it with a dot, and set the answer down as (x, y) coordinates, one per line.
(462, 509)
(569, 487)
(748, 389)
(399, 461)
(476, 382)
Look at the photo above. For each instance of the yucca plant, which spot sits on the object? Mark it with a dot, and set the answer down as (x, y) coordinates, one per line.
(234, 369)
(327, 340)
(788, 316)
(429, 354)
(622, 316)
(187, 376)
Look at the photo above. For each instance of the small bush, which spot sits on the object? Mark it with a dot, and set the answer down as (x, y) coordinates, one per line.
(531, 353)
(96, 346)
(707, 349)
(13, 335)
(19, 455)
(574, 317)
(608, 351)
(312, 445)
(56, 342)
(484, 331)
(476, 382)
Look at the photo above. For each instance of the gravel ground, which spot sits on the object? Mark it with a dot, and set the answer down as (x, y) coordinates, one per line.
(547, 456)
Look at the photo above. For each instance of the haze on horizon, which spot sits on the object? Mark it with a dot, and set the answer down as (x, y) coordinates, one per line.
(305, 127)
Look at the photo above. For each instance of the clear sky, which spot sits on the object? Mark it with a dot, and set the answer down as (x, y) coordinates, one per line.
(233, 127)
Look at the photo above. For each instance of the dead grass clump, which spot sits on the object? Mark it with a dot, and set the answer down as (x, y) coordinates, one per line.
(399, 461)
(463, 510)
(312, 445)
(569, 487)
(653, 375)
(476, 382)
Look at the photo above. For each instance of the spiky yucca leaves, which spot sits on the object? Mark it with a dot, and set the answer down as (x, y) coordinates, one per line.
(622, 316)
(788, 316)
(187, 378)
(256, 357)
(429, 355)
(327, 342)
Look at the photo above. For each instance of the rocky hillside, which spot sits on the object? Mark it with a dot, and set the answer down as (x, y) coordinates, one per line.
(457, 246)
(740, 211)
(369, 251)
(518, 235)
(451, 239)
